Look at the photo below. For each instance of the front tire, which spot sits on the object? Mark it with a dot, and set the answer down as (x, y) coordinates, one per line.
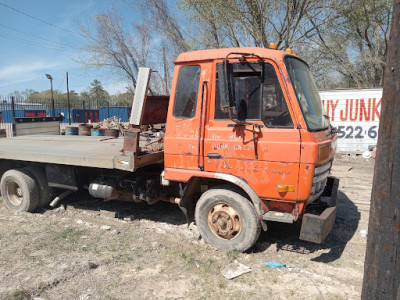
(19, 191)
(227, 220)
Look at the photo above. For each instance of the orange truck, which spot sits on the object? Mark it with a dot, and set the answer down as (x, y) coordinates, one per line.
(242, 140)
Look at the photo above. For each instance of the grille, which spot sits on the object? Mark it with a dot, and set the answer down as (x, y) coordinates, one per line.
(319, 181)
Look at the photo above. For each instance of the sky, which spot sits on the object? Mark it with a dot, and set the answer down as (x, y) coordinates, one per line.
(39, 37)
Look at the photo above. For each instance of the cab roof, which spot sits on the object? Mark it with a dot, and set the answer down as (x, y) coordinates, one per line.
(213, 54)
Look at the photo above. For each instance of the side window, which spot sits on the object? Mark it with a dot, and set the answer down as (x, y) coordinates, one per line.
(258, 96)
(186, 92)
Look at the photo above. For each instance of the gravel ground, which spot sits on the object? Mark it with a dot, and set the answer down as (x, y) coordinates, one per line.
(87, 249)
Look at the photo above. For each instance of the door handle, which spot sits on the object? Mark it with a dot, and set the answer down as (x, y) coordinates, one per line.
(214, 155)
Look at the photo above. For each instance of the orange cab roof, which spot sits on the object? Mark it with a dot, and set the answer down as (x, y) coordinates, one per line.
(221, 53)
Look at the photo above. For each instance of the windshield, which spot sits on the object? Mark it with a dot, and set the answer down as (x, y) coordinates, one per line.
(307, 94)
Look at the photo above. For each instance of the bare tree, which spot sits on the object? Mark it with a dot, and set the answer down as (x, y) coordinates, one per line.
(354, 42)
(344, 41)
(110, 45)
(257, 22)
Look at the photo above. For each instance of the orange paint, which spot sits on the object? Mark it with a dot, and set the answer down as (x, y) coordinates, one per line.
(286, 156)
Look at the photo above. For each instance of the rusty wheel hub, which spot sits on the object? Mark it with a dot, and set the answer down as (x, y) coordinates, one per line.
(14, 193)
(224, 221)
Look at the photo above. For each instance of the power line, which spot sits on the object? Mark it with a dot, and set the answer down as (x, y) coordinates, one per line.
(59, 87)
(37, 19)
(38, 37)
(32, 43)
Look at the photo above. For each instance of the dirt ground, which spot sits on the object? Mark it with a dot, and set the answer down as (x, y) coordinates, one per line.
(87, 249)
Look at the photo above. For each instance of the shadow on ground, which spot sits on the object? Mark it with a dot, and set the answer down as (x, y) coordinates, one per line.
(159, 212)
(286, 236)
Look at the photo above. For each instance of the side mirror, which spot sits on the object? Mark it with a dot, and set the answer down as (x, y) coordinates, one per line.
(226, 86)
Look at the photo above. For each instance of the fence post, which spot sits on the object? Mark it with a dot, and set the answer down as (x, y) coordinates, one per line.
(84, 111)
(108, 109)
(13, 108)
(69, 113)
(13, 114)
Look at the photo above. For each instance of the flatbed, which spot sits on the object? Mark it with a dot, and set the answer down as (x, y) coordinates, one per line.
(83, 151)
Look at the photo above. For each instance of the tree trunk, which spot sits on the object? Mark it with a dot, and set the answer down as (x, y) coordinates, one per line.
(382, 261)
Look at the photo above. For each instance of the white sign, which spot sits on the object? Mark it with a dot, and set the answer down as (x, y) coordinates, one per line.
(356, 114)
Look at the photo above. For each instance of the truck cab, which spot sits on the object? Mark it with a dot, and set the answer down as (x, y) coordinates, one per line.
(250, 121)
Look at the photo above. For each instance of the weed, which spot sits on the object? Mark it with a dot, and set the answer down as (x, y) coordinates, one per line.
(139, 251)
(127, 258)
(222, 285)
(139, 268)
(232, 254)
(190, 257)
(70, 234)
(209, 264)
(19, 294)
(291, 293)
(109, 298)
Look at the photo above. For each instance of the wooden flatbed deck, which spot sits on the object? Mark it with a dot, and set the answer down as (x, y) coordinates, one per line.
(85, 151)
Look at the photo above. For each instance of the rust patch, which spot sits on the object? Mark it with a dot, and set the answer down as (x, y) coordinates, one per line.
(387, 247)
(396, 226)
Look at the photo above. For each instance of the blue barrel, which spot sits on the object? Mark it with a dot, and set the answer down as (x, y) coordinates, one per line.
(71, 131)
(97, 132)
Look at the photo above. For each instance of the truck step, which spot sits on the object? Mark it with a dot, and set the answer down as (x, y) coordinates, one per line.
(277, 216)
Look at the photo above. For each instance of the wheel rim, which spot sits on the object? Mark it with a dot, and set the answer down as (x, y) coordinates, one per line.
(14, 193)
(224, 221)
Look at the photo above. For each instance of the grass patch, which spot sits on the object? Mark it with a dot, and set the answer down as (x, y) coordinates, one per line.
(232, 254)
(19, 294)
(139, 268)
(188, 257)
(70, 234)
(222, 285)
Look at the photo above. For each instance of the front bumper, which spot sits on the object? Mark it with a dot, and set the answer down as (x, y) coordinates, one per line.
(316, 226)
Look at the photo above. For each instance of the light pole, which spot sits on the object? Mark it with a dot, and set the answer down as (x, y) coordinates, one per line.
(52, 98)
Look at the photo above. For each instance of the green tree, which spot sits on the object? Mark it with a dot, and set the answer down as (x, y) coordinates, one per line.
(23, 95)
(123, 99)
(98, 94)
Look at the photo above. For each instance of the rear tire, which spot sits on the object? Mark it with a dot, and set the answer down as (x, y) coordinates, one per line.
(227, 220)
(43, 185)
(19, 190)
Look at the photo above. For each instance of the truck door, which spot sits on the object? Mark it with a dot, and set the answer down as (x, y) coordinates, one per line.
(262, 146)
(182, 141)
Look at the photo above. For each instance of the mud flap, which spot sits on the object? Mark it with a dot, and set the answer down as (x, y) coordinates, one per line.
(315, 228)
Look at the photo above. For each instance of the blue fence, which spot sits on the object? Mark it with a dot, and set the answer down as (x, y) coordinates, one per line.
(77, 115)
(81, 112)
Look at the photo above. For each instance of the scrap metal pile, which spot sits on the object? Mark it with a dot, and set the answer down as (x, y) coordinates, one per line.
(151, 138)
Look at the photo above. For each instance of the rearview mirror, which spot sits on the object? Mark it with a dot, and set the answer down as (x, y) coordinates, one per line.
(226, 86)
